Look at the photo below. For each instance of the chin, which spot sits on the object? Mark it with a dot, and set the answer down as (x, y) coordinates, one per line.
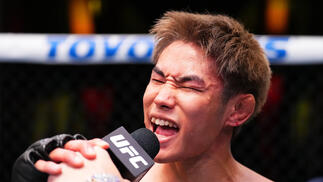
(161, 158)
(158, 160)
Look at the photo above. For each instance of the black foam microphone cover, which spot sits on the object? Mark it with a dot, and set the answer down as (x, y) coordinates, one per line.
(147, 140)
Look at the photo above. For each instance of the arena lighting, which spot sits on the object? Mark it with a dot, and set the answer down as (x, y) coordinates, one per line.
(135, 48)
(277, 16)
(80, 17)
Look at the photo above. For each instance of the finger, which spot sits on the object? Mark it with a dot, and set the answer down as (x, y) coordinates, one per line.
(82, 146)
(69, 157)
(86, 147)
(100, 143)
(48, 167)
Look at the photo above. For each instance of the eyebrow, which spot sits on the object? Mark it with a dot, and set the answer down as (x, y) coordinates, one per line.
(158, 71)
(182, 79)
(192, 78)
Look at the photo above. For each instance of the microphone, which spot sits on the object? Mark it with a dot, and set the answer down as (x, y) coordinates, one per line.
(132, 154)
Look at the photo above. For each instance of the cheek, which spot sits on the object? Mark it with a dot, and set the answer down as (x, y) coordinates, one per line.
(148, 99)
(201, 112)
(146, 104)
(148, 96)
(194, 106)
(203, 124)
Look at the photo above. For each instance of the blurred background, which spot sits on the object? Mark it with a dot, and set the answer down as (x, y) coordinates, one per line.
(38, 100)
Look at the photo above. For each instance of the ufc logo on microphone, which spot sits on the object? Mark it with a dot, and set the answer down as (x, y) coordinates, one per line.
(125, 148)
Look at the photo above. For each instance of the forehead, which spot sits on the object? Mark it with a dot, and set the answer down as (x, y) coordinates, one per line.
(181, 58)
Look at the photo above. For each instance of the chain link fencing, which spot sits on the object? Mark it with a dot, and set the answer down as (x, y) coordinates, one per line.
(41, 100)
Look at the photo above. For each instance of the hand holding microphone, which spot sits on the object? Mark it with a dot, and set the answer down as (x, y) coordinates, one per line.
(102, 165)
(131, 154)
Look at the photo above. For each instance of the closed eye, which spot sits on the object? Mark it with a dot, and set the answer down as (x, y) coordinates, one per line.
(191, 88)
(157, 80)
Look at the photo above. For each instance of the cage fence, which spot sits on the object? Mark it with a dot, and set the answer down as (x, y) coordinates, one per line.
(40, 100)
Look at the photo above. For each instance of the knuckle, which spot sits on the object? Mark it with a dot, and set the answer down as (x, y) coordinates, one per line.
(73, 144)
(95, 139)
(39, 165)
(55, 152)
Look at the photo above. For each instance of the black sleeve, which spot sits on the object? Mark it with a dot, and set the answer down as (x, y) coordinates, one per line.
(24, 170)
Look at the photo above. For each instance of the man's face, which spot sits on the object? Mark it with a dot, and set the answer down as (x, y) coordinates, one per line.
(182, 103)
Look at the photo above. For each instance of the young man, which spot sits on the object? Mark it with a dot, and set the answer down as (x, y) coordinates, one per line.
(210, 77)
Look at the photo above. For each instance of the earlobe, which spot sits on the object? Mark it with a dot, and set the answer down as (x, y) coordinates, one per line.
(242, 107)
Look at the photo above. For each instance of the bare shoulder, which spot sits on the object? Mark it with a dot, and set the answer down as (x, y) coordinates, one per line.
(259, 178)
(158, 173)
(251, 176)
(152, 174)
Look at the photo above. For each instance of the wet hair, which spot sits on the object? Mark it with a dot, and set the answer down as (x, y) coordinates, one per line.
(239, 60)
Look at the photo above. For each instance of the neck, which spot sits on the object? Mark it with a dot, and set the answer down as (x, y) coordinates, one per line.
(216, 164)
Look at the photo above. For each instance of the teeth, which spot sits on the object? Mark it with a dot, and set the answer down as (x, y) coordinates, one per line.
(162, 122)
(157, 121)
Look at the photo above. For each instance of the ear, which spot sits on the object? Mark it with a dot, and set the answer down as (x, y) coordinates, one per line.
(241, 107)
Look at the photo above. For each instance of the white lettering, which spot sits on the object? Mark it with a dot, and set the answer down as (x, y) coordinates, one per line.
(119, 141)
(136, 159)
(127, 150)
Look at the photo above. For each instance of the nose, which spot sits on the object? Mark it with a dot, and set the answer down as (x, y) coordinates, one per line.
(165, 98)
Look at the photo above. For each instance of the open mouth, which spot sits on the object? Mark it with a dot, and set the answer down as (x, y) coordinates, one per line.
(164, 127)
